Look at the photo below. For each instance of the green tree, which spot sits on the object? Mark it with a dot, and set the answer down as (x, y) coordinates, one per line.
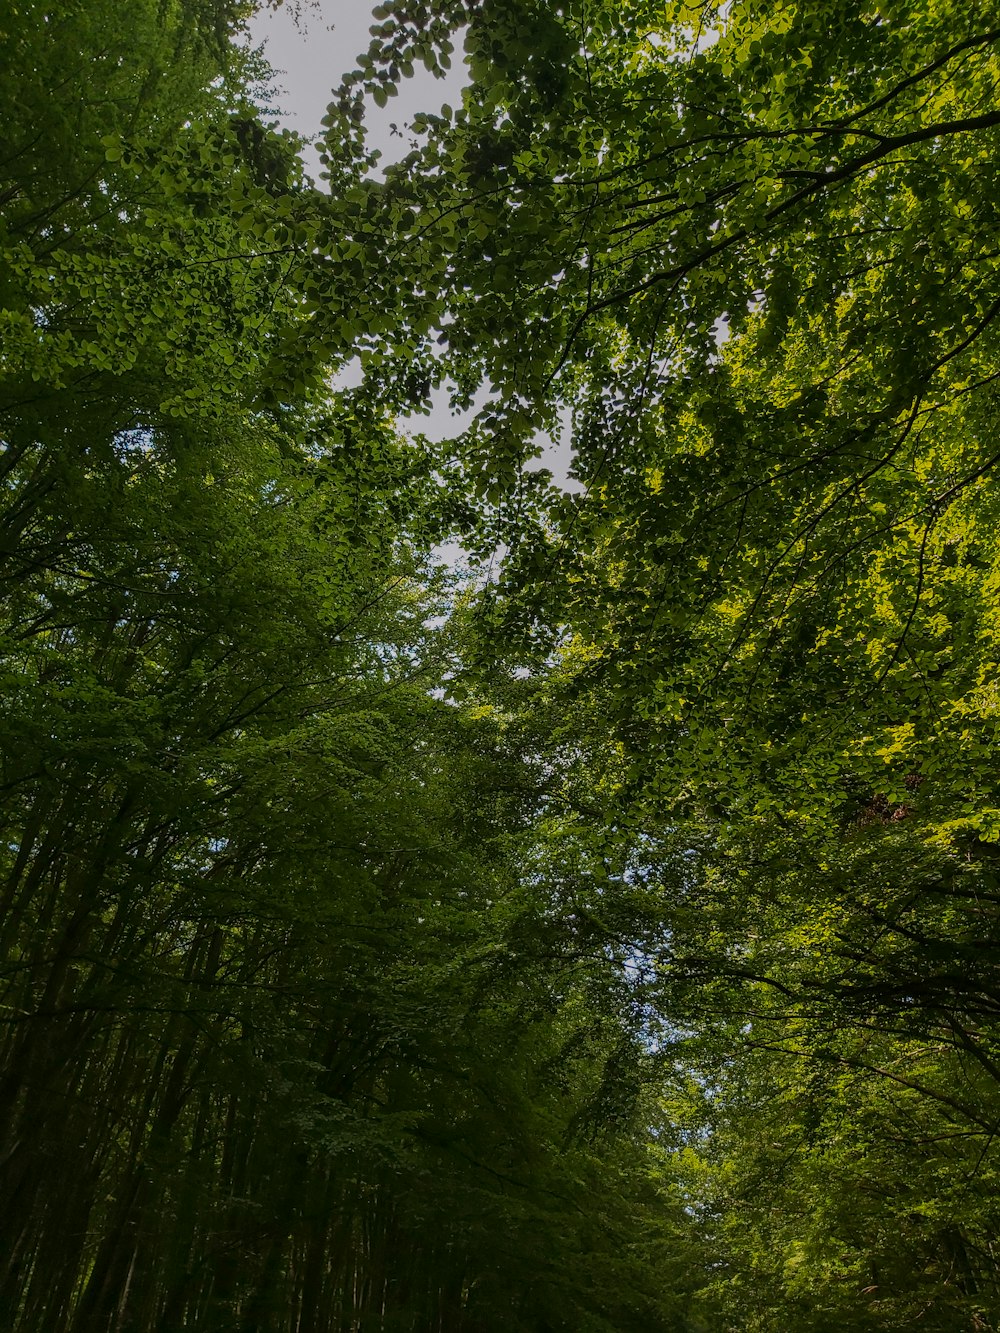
(783, 558)
(295, 1031)
(750, 250)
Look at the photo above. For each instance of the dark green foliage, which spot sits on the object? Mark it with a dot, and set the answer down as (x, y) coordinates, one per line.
(611, 945)
(287, 1040)
(751, 251)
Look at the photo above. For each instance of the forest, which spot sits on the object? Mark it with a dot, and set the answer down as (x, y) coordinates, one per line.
(597, 930)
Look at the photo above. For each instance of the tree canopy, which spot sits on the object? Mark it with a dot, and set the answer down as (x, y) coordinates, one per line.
(601, 937)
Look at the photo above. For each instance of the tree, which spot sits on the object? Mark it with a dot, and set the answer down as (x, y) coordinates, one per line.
(288, 1037)
(749, 249)
(624, 188)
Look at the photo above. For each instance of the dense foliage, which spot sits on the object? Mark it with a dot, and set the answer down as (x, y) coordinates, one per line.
(752, 251)
(606, 941)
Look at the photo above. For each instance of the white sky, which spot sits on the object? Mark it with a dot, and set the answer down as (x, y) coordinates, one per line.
(313, 54)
